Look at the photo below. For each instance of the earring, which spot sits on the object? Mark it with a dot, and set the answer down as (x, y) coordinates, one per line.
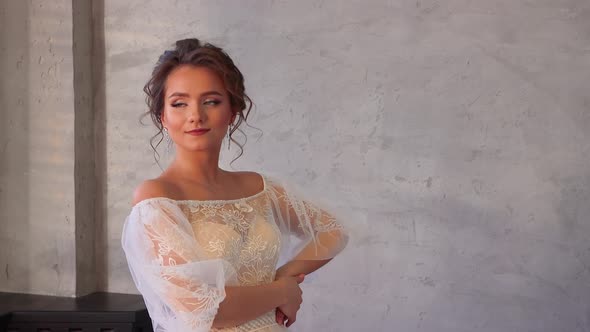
(168, 140)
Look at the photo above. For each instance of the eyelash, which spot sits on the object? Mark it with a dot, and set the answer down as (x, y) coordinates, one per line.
(215, 102)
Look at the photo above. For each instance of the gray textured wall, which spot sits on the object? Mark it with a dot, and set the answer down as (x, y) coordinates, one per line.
(456, 132)
(37, 196)
(456, 135)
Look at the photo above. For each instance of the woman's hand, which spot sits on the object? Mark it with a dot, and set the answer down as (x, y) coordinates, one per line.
(280, 317)
(293, 299)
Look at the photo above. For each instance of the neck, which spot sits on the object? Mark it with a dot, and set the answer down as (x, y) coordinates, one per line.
(197, 166)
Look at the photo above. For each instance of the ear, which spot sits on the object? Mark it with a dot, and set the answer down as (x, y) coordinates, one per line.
(233, 117)
(163, 119)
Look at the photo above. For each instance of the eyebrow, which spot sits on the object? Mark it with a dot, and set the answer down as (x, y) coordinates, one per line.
(184, 94)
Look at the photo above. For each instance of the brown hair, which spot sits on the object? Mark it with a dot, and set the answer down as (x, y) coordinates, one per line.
(192, 52)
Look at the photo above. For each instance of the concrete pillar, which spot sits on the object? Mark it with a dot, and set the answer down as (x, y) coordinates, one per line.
(47, 150)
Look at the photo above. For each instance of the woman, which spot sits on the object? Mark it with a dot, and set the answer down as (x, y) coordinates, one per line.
(203, 244)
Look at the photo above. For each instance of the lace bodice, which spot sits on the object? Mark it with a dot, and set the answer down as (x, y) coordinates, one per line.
(182, 254)
(240, 233)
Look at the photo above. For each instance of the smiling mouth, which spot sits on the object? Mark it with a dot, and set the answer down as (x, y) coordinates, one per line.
(198, 131)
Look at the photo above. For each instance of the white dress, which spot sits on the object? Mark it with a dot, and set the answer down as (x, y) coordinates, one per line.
(182, 254)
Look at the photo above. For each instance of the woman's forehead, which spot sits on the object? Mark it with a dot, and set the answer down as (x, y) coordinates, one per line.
(193, 80)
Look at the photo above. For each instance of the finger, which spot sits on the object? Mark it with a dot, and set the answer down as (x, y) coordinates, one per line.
(300, 278)
(280, 317)
(277, 316)
(291, 322)
(283, 317)
(289, 319)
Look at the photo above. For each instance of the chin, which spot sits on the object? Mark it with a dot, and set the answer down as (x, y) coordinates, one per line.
(200, 146)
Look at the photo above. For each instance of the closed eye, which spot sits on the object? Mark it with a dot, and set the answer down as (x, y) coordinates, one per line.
(178, 104)
(212, 102)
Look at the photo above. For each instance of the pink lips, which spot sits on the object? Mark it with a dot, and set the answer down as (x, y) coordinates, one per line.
(197, 132)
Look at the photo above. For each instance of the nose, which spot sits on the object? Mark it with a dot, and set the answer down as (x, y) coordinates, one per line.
(197, 114)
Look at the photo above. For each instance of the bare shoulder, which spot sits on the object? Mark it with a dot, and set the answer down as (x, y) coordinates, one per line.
(153, 188)
(253, 181)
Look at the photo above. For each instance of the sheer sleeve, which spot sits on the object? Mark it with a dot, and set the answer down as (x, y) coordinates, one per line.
(181, 287)
(308, 231)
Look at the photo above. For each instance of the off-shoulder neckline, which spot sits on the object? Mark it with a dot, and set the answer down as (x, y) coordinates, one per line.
(208, 201)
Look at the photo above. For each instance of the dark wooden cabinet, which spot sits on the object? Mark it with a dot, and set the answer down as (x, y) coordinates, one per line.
(97, 312)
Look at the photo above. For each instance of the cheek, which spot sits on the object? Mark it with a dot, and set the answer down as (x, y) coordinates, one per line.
(224, 115)
(174, 119)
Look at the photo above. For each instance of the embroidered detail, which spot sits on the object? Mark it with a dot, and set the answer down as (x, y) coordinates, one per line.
(244, 207)
(232, 231)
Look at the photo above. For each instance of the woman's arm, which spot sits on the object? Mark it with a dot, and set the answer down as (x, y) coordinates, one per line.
(244, 303)
(322, 235)
(297, 267)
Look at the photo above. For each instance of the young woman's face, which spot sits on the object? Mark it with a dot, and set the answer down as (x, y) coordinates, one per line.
(196, 98)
